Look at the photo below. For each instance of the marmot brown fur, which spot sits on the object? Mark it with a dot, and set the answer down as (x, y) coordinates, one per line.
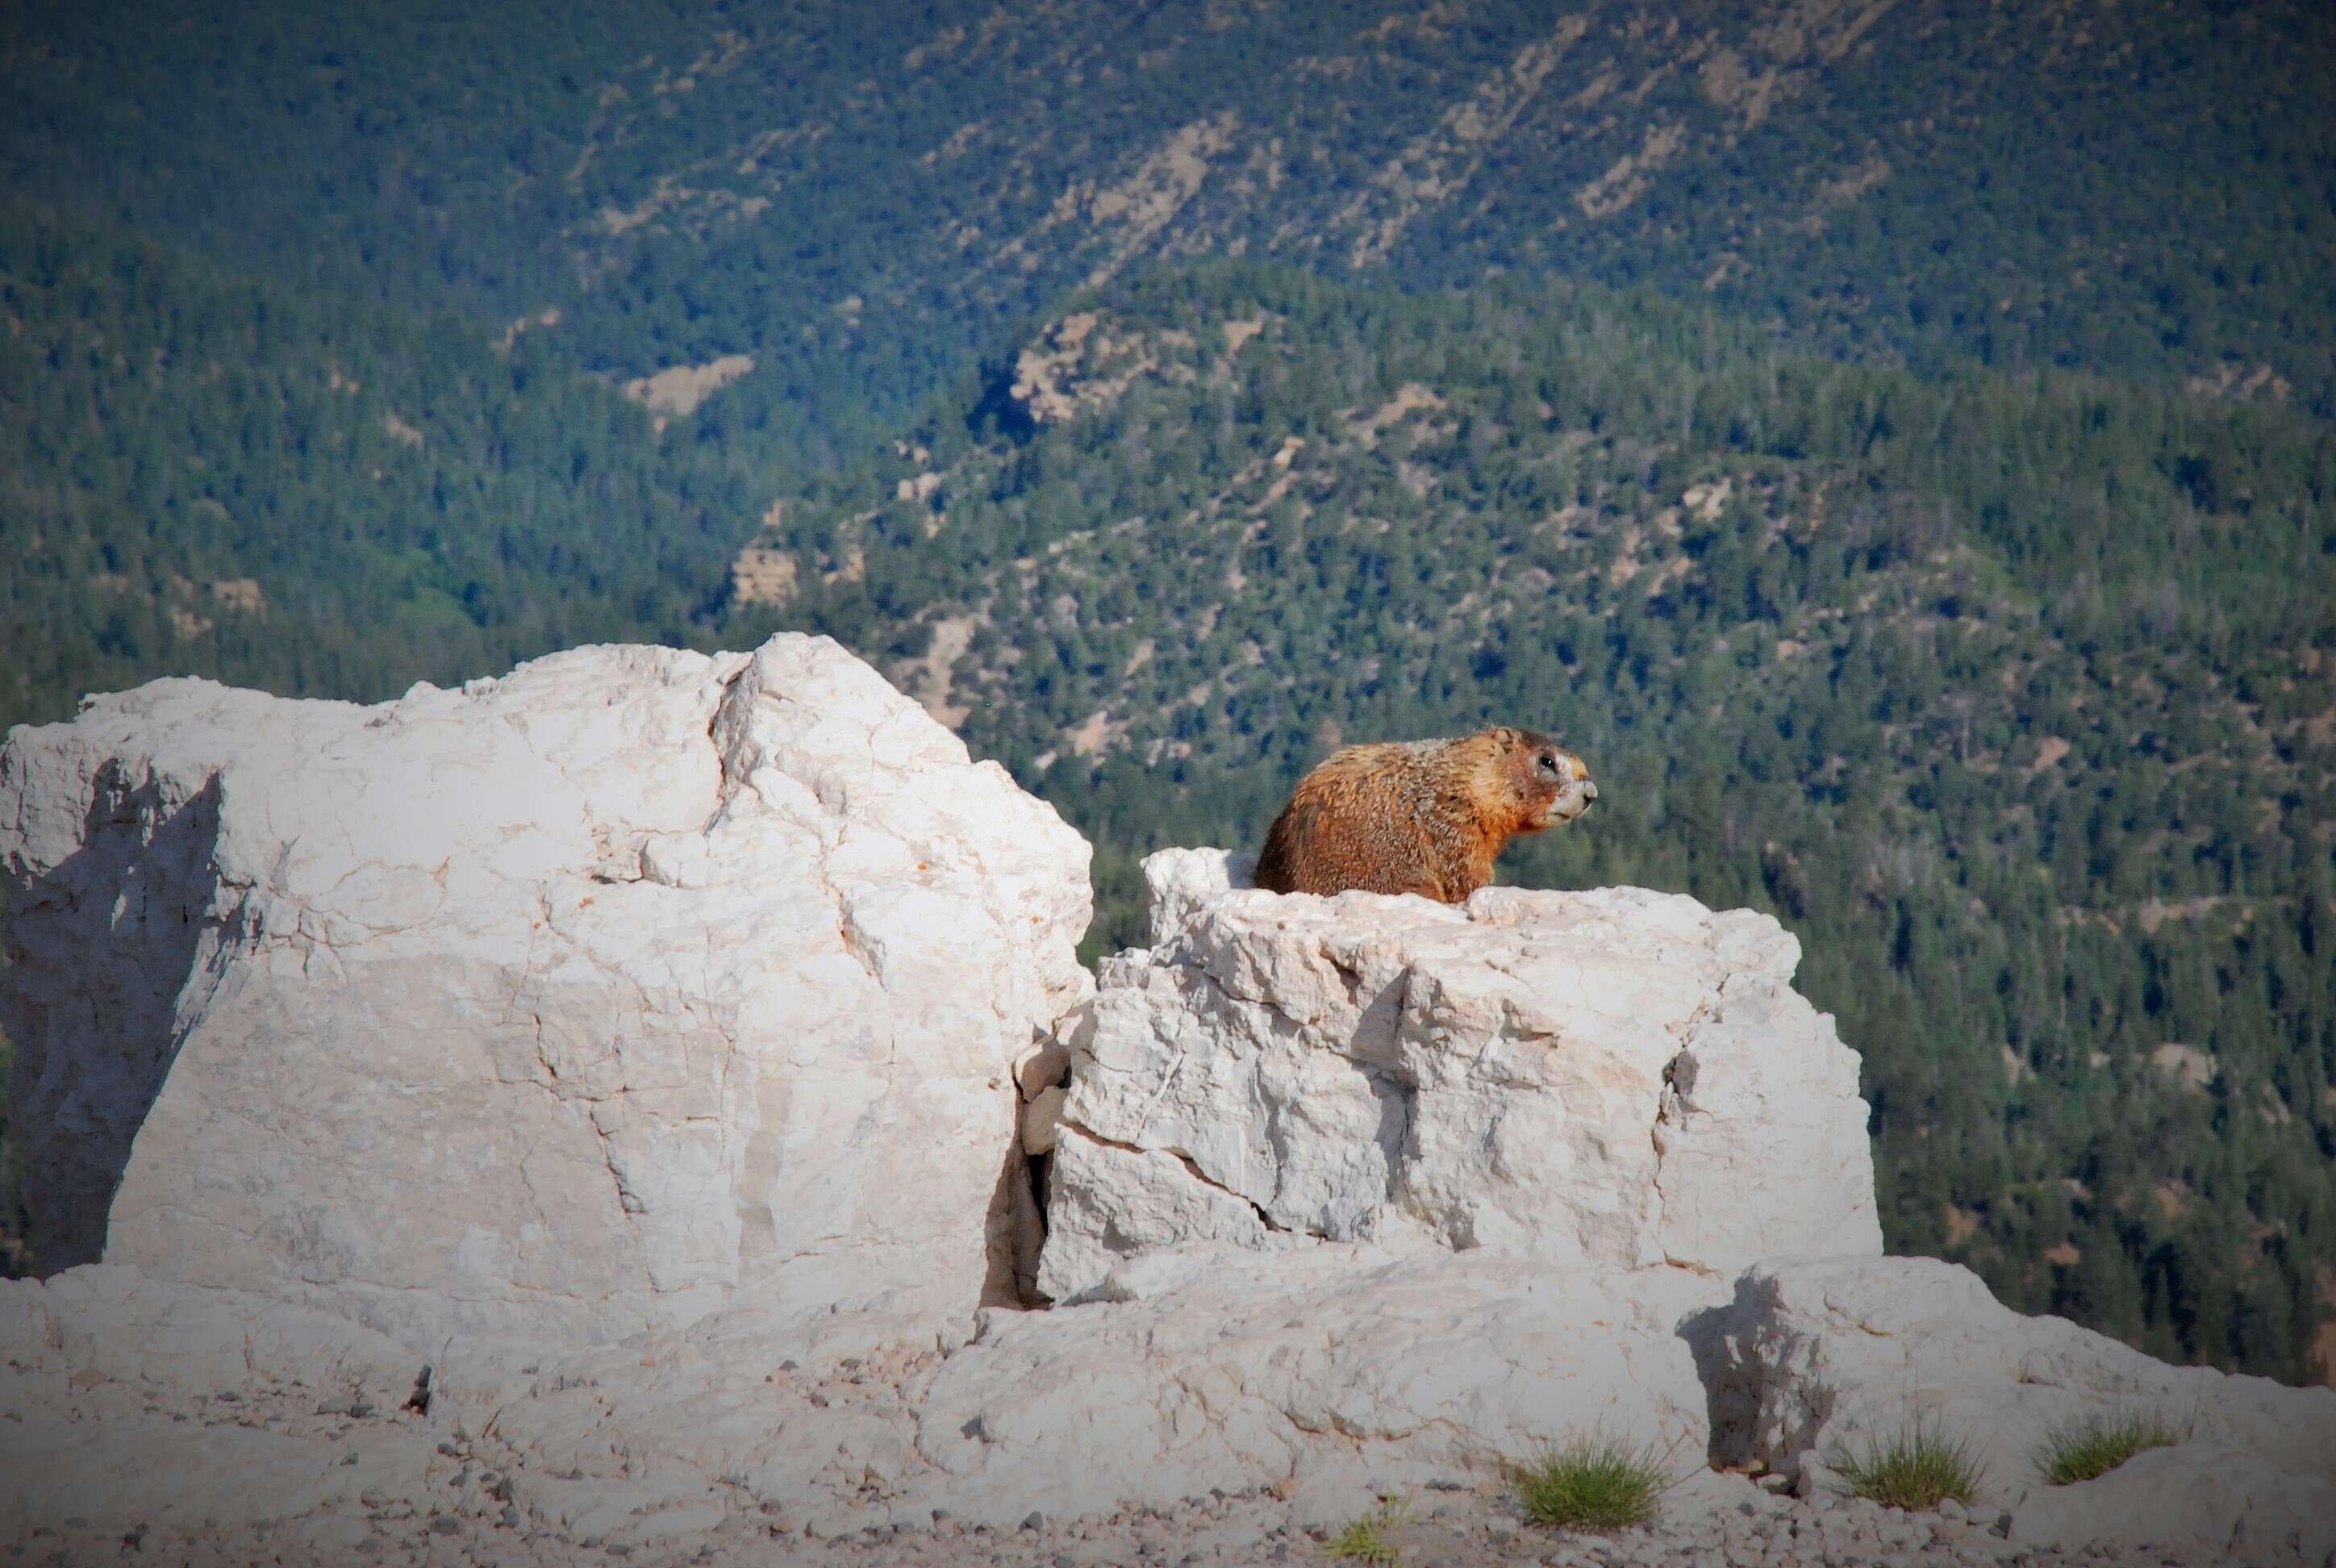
(1423, 816)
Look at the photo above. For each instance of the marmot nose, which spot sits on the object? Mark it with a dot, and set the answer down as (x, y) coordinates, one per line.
(1589, 792)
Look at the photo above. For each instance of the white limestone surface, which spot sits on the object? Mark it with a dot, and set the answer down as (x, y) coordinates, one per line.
(131, 1404)
(1329, 1376)
(1610, 1079)
(574, 1003)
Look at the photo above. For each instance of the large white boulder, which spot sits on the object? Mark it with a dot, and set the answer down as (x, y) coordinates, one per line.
(1612, 1079)
(1818, 1361)
(573, 1003)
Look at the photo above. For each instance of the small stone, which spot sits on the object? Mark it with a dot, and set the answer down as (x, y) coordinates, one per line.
(1034, 1520)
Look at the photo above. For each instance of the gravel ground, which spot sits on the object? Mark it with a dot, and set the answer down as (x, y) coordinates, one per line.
(1442, 1528)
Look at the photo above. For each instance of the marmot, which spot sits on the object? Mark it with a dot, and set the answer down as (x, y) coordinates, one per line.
(1425, 816)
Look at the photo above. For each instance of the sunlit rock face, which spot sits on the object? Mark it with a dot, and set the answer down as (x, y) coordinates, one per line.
(588, 999)
(1610, 1079)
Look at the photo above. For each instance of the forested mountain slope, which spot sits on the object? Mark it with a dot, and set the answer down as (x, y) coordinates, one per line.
(860, 196)
(201, 472)
(2016, 699)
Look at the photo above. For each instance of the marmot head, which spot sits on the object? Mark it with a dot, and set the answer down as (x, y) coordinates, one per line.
(1542, 780)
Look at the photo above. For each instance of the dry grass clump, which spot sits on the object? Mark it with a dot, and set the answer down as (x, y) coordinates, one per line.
(1917, 1467)
(2092, 1446)
(1593, 1482)
(1365, 1539)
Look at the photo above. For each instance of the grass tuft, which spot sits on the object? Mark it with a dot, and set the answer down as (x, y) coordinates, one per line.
(1593, 1482)
(2095, 1445)
(1919, 1467)
(1365, 1539)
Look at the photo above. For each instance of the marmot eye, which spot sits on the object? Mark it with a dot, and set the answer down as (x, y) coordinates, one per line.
(1548, 762)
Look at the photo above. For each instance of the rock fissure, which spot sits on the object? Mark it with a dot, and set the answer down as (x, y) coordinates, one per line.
(1191, 1168)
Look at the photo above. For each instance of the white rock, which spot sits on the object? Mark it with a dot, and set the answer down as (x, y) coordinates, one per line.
(569, 1004)
(1039, 1118)
(1816, 1359)
(1335, 1370)
(1615, 1078)
(109, 1322)
(668, 1524)
(127, 1401)
(2205, 1496)
(123, 1475)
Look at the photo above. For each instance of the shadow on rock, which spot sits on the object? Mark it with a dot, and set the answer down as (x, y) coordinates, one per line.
(128, 912)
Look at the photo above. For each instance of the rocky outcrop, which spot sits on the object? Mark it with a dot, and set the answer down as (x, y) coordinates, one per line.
(566, 1005)
(1613, 1080)
(584, 1114)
